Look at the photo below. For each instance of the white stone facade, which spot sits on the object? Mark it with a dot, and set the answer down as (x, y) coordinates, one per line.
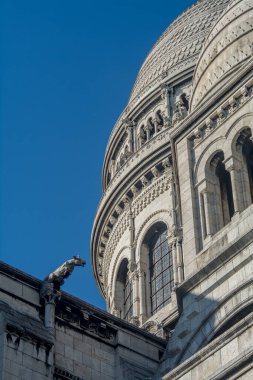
(180, 160)
(172, 242)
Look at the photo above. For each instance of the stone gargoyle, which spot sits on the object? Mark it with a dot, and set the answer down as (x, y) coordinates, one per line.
(64, 271)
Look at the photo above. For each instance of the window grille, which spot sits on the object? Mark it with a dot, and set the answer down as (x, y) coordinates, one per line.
(161, 271)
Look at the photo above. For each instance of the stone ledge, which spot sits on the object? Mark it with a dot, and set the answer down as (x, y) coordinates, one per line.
(226, 254)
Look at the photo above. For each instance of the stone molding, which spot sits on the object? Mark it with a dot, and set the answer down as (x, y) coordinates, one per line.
(60, 374)
(86, 321)
(132, 371)
(14, 334)
(133, 161)
(225, 309)
(151, 216)
(225, 111)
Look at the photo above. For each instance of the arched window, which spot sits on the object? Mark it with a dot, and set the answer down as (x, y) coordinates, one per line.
(223, 189)
(161, 276)
(248, 154)
(245, 145)
(124, 292)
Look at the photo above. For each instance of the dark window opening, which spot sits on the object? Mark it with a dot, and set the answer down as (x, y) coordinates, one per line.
(247, 151)
(227, 202)
(125, 291)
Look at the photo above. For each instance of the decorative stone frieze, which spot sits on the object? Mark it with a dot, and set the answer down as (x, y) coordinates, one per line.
(222, 114)
(84, 320)
(150, 193)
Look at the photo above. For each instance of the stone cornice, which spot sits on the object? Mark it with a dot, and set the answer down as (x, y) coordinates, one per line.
(201, 114)
(160, 139)
(214, 263)
(85, 311)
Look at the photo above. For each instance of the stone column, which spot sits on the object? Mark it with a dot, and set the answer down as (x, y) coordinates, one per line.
(49, 296)
(142, 293)
(130, 132)
(133, 274)
(147, 130)
(180, 264)
(206, 217)
(230, 167)
(134, 279)
(174, 260)
(156, 125)
(132, 233)
(165, 92)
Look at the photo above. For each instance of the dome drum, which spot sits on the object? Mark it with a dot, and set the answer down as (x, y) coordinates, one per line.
(138, 181)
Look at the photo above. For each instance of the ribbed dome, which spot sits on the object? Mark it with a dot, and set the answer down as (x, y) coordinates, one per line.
(229, 45)
(179, 46)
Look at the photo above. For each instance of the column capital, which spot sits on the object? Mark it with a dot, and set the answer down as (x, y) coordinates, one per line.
(132, 266)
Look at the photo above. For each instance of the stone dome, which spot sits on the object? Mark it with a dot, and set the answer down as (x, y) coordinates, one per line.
(179, 46)
(228, 47)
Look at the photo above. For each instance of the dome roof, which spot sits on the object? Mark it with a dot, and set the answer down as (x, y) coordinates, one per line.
(228, 46)
(179, 46)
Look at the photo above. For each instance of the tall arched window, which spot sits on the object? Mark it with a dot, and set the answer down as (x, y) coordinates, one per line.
(246, 144)
(160, 266)
(225, 192)
(124, 292)
(223, 195)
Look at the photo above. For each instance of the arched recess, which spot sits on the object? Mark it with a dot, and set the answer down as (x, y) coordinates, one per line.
(239, 149)
(155, 262)
(216, 195)
(158, 253)
(123, 292)
(158, 216)
(228, 311)
(242, 148)
(229, 158)
(206, 156)
(113, 270)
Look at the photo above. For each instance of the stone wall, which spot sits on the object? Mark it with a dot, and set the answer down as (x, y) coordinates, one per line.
(86, 343)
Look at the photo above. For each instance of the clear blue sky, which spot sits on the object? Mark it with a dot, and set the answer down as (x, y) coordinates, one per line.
(67, 68)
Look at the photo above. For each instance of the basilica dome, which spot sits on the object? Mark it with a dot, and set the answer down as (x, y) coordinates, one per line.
(227, 48)
(138, 152)
(178, 47)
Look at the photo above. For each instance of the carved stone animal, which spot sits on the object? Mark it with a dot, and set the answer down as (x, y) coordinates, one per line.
(64, 271)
